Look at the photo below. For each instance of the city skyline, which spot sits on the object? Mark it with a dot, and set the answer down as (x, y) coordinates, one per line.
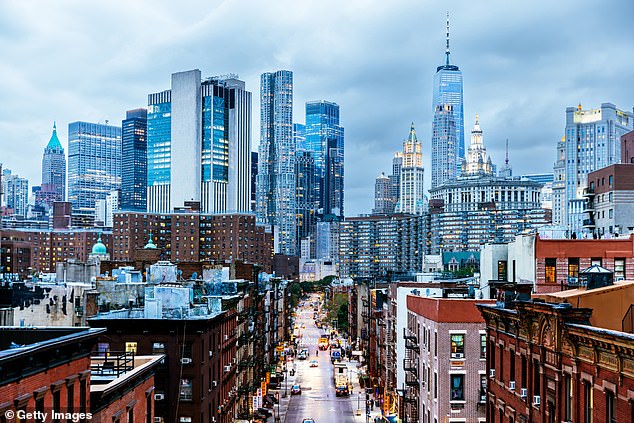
(521, 70)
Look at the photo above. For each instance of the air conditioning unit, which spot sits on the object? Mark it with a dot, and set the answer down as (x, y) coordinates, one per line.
(536, 400)
(226, 337)
(227, 369)
(211, 354)
(457, 355)
(159, 397)
(512, 385)
(158, 419)
(523, 392)
(483, 398)
(492, 373)
(234, 360)
(214, 383)
(186, 360)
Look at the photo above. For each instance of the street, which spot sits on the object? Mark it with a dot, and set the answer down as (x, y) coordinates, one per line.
(317, 400)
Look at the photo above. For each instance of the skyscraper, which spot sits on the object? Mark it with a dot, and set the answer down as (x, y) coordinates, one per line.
(592, 141)
(16, 193)
(307, 200)
(448, 90)
(324, 139)
(443, 145)
(53, 172)
(276, 199)
(412, 194)
(383, 200)
(94, 164)
(199, 144)
(134, 161)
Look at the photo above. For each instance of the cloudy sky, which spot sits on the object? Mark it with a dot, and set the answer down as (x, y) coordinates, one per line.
(523, 63)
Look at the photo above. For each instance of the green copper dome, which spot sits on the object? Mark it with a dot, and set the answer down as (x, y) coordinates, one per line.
(99, 248)
(150, 244)
(53, 143)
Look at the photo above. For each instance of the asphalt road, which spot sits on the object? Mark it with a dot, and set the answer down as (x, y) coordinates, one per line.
(318, 400)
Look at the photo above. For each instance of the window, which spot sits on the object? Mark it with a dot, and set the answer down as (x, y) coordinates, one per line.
(512, 365)
(130, 347)
(567, 398)
(491, 355)
(573, 270)
(457, 345)
(610, 407)
(435, 385)
(483, 345)
(610, 180)
(457, 387)
(500, 374)
(501, 270)
(587, 393)
(551, 272)
(57, 403)
(70, 398)
(186, 390)
(435, 344)
(619, 268)
(158, 348)
(536, 378)
(131, 415)
(483, 388)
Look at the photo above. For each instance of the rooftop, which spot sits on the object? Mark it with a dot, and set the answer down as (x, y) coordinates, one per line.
(21, 341)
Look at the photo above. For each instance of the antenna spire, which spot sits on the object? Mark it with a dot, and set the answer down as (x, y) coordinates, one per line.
(447, 51)
(506, 161)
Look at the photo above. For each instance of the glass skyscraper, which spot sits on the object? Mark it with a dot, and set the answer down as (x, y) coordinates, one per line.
(276, 196)
(94, 164)
(134, 161)
(448, 90)
(324, 139)
(199, 144)
(443, 146)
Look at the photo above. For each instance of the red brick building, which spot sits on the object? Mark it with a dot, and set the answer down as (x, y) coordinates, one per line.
(558, 261)
(56, 369)
(47, 248)
(445, 360)
(193, 237)
(546, 363)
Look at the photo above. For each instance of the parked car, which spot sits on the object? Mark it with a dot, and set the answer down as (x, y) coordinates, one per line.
(308, 421)
(314, 363)
(296, 390)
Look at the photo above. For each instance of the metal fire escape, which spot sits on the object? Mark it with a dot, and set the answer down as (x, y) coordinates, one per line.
(411, 390)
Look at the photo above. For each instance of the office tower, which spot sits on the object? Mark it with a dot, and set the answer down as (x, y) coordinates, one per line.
(395, 177)
(307, 200)
(276, 197)
(412, 194)
(299, 136)
(254, 179)
(94, 164)
(383, 201)
(443, 145)
(324, 138)
(448, 90)
(134, 160)
(53, 186)
(16, 193)
(592, 141)
(199, 144)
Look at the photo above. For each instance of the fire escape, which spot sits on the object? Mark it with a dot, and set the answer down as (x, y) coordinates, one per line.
(411, 390)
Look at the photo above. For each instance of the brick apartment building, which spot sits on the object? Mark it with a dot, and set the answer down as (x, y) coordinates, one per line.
(445, 361)
(45, 248)
(56, 368)
(547, 362)
(193, 237)
(198, 375)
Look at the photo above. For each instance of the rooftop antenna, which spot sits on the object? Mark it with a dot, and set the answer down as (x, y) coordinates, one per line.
(506, 161)
(447, 51)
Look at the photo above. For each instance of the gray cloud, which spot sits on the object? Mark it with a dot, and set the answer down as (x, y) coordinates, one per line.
(522, 65)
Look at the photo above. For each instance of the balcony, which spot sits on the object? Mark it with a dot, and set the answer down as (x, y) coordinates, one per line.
(410, 366)
(588, 192)
(588, 207)
(412, 381)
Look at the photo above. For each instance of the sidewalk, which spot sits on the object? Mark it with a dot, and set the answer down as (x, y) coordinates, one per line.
(284, 401)
(357, 398)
